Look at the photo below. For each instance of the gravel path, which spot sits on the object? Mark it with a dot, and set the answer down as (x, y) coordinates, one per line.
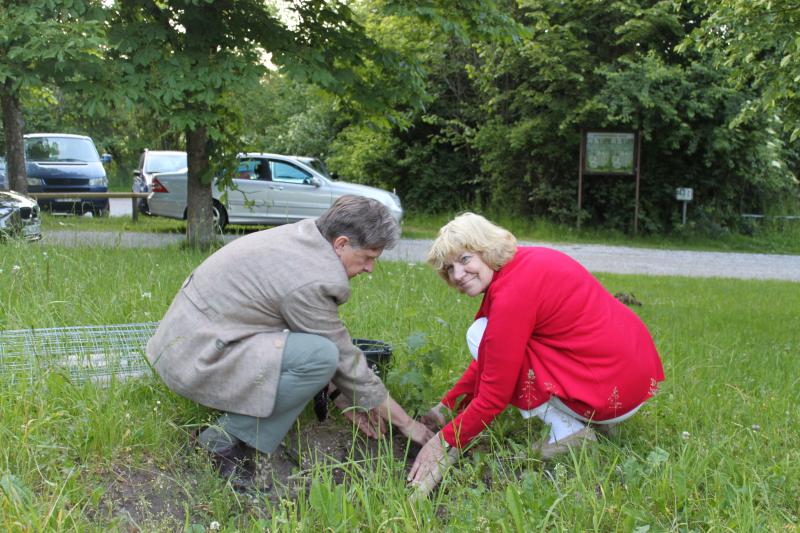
(596, 258)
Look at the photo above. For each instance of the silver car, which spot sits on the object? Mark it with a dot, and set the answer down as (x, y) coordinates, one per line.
(19, 217)
(267, 189)
(152, 162)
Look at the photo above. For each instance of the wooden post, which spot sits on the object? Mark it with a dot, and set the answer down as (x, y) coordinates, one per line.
(638, 173)
(580, 180)
(134, 209)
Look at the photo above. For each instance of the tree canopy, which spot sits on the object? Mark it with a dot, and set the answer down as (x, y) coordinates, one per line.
(455, 105)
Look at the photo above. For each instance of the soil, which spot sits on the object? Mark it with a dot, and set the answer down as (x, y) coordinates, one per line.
(146, 496)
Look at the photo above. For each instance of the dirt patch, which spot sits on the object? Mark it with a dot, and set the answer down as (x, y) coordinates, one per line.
(144, 496)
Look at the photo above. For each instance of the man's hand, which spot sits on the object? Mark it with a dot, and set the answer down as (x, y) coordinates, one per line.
(368, 422)
(373, 423)
(434, 419)
(428, 468)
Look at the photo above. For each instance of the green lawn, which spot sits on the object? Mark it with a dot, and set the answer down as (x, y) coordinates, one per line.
(717, 449)
(765, 237)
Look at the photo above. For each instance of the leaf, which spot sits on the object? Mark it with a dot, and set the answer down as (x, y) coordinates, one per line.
(416, 340)
(15, 490)
(657, 457)
(515, 508)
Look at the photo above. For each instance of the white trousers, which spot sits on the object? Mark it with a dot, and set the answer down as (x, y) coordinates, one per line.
(474, 337)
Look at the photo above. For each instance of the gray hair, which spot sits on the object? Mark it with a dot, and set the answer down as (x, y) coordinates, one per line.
(365, 221)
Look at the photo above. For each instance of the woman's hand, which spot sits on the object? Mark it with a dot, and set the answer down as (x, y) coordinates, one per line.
(428, 468)
(434, 419)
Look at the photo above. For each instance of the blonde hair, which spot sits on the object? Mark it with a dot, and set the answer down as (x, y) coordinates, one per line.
(469, 232)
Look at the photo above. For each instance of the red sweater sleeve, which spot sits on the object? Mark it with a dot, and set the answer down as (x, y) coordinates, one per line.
(465, 387)
(511, 311)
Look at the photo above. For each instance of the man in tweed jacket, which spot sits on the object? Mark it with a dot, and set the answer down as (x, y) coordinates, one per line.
(255, 332)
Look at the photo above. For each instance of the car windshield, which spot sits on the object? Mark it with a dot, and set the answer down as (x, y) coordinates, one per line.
(60, 149)
(165, 163)
(317, 165)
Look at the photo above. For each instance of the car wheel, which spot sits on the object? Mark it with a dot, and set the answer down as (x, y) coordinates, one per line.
(220, 216)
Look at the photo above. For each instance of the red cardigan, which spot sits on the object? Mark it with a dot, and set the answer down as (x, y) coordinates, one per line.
(553, 331)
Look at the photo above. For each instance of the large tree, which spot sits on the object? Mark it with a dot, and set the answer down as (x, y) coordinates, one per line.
(187, 59)
(43, 42)
(757, 42)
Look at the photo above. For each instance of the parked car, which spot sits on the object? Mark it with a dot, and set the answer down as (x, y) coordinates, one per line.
(152, 162)
(19, 217)
(267, 189)
(60, 162)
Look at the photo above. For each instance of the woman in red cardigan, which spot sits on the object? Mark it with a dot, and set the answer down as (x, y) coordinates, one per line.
(548, 339)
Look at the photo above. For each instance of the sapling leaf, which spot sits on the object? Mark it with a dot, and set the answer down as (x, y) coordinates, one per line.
(416, 340)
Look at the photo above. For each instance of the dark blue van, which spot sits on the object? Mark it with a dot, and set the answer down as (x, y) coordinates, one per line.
(60, 162)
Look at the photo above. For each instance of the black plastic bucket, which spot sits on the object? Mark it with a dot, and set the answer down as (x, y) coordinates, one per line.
(379, 359)
(378, 354)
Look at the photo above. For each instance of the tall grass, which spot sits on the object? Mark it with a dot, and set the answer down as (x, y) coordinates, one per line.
(717, 449)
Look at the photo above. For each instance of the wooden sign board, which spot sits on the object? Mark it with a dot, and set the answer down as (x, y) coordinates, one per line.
(610, 153)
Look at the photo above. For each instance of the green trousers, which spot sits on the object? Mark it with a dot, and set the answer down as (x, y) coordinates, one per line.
(308, 364)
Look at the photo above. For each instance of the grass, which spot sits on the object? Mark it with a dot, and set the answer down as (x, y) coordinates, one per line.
(717, 449)
(782, 237)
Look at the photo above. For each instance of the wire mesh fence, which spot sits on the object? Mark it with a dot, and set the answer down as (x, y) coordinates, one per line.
(95, 353)
(102, 353)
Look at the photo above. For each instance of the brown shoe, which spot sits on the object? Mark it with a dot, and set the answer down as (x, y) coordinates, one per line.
(235, 465)
(547, 450)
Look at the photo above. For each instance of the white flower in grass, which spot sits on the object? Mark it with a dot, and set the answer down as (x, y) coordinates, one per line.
(686, 435)
(15, 269)
(214, 526)
(755, 427)
(147, 295)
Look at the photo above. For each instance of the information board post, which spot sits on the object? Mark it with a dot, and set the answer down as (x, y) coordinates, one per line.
(580, 180)
(611, 153)
(685, 195)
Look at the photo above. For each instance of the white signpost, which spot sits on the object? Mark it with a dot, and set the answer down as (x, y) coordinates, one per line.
(685, 195)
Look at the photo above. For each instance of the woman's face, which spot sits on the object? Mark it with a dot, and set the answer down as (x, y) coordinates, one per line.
(469, 273)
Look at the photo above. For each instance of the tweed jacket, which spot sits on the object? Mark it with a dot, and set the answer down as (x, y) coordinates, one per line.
(221, 341)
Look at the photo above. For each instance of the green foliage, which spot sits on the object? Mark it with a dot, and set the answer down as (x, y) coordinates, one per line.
(423, 358)
(756, 43)
(42, 41)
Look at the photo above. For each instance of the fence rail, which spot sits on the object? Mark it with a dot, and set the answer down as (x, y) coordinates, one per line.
(134, 196)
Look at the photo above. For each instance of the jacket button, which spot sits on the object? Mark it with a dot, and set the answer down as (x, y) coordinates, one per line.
(219, 344)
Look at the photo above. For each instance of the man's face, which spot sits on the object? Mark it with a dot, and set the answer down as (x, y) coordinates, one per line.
(355, 260)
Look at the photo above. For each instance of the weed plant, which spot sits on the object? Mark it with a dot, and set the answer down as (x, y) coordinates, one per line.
(717, 449)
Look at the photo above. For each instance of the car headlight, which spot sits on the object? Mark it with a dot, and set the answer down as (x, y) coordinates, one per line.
(34, 182)
(98, 182)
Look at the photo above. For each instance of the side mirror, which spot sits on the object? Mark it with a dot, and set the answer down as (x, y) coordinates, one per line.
(137, 173)
(105, 158)
(316, 182)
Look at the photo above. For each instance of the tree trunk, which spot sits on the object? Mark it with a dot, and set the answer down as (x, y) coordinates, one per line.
(199, 204)
(13, 125)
